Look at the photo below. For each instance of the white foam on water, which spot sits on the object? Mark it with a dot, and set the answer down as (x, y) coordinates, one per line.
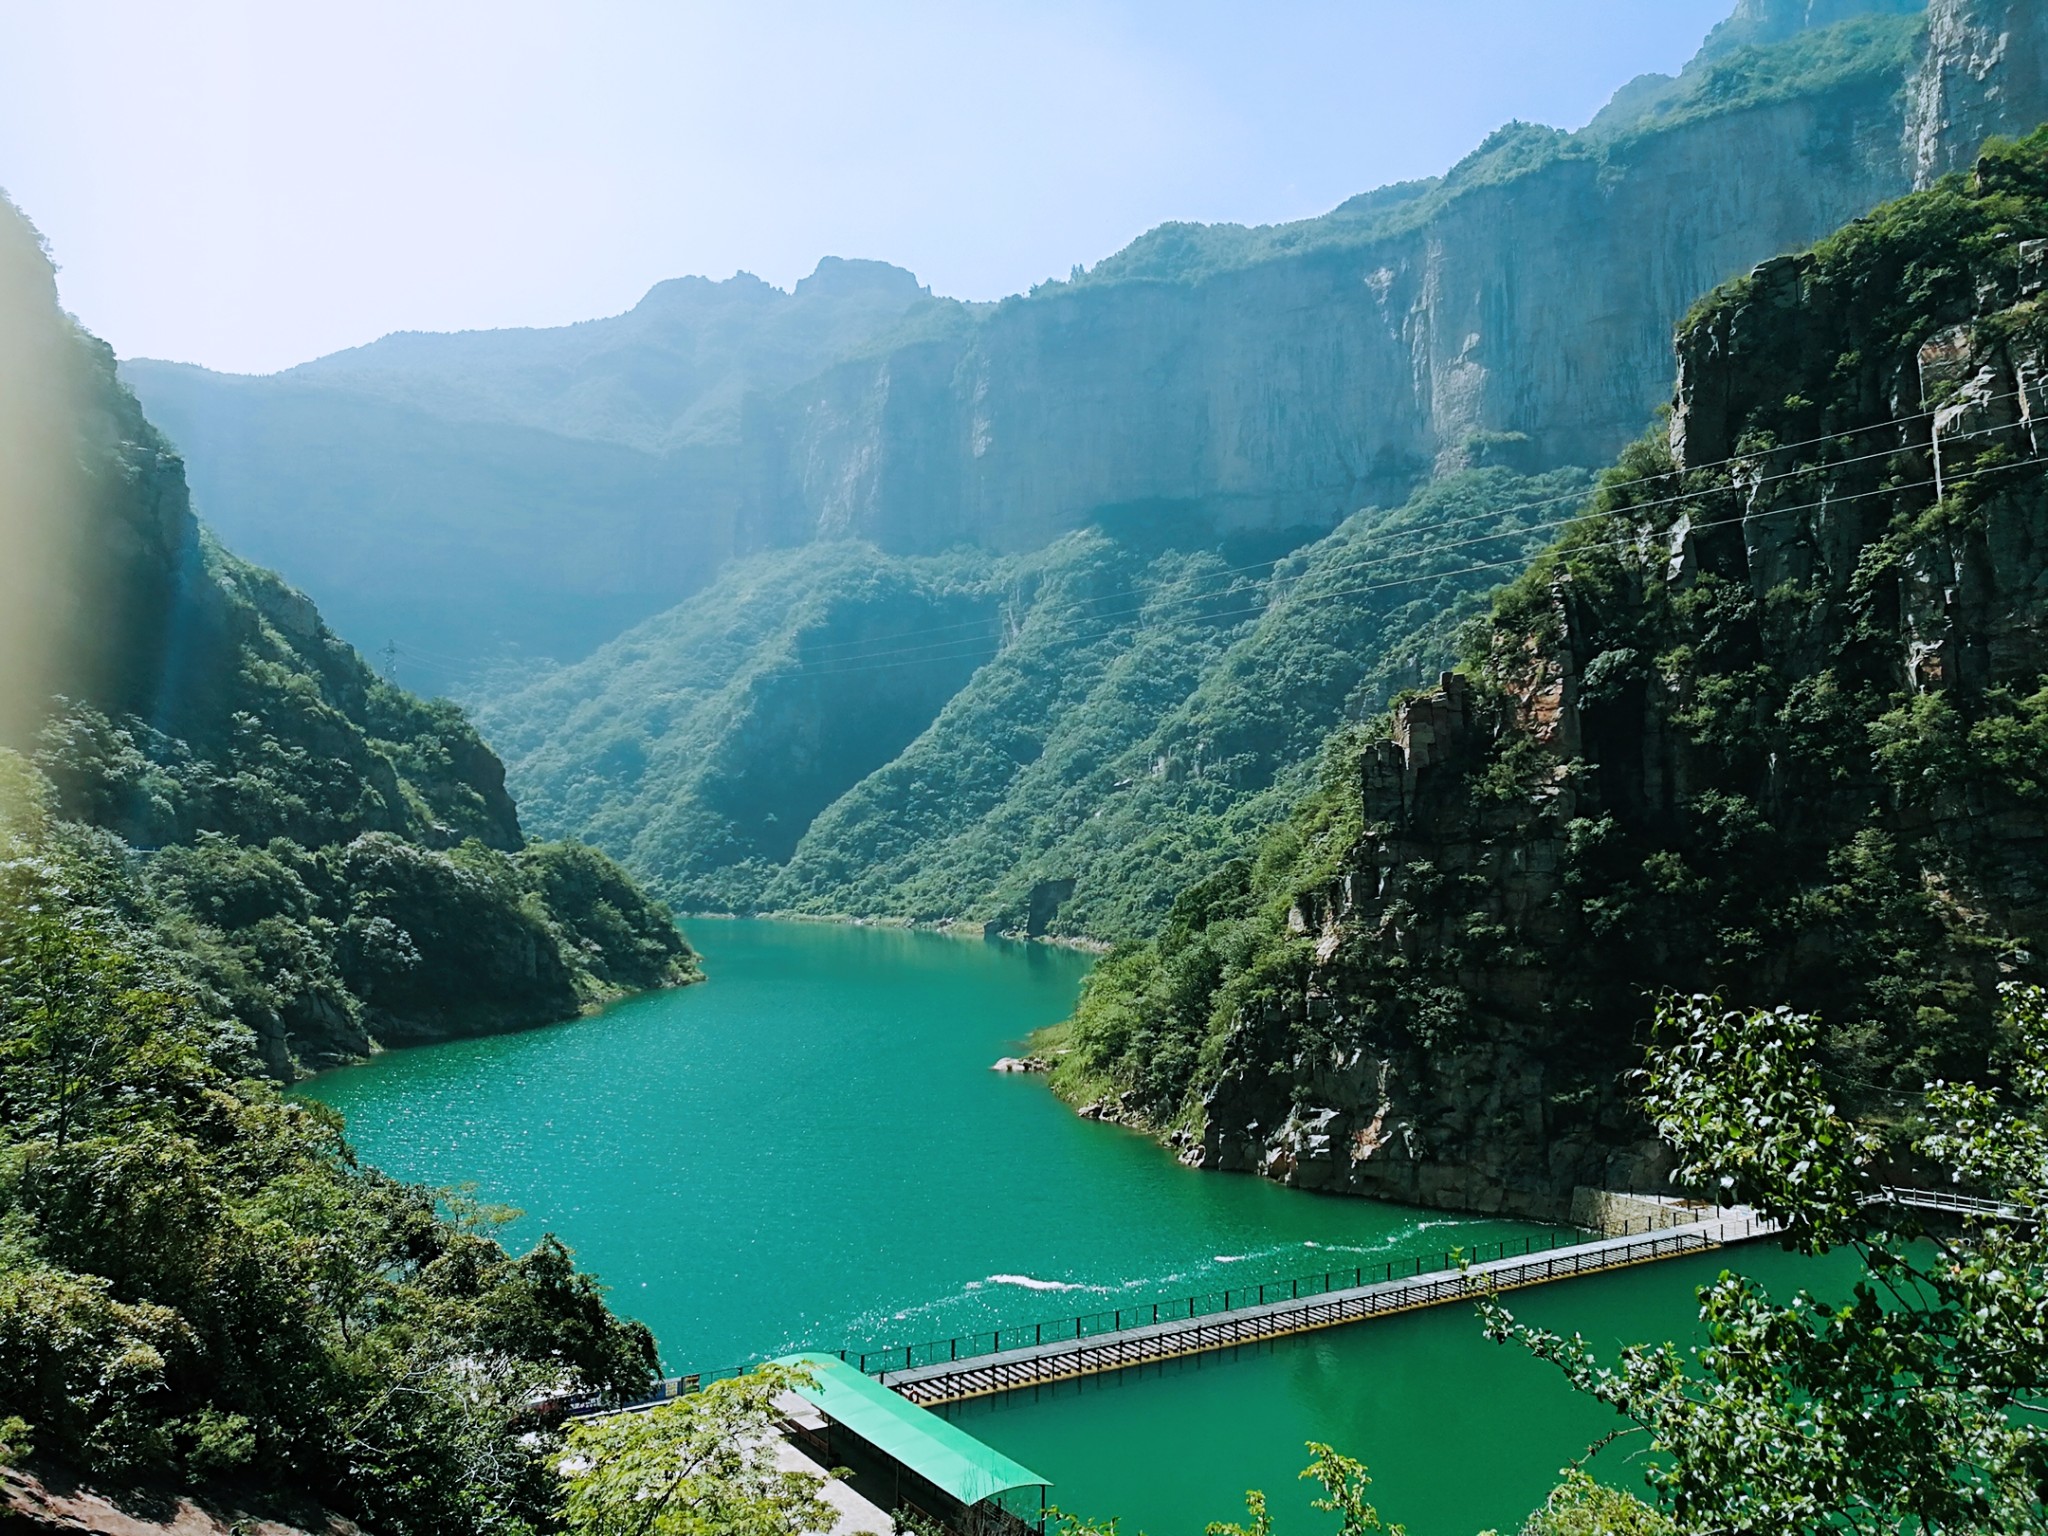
(1031, 1284)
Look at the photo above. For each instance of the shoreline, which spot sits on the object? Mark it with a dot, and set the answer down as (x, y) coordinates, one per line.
(950, 927)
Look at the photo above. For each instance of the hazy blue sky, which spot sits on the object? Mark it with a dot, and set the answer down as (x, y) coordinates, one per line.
(251, 184)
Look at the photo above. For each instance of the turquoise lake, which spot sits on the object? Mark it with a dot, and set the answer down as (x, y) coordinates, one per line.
(810, 1150)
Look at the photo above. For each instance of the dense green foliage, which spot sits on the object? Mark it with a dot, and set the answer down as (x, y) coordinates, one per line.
(1049, 742)
(336, 858)
(1579, 1506)
(700, 745)
(704, 1465)
(1915, 1404)
(264, 722)
(199, 1285)
(1149, 1027)
(1775, 768)
(342, 855)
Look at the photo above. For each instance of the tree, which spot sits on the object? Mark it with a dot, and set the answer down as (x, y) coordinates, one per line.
(1578, 1506)
(1918, 1404)
(200, 1285)
(703, 1465)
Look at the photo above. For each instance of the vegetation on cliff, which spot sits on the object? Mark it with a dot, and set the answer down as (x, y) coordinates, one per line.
(1049, 742)
(1768, 720)
(338, 860)
(1740, 70)
(200, 1287)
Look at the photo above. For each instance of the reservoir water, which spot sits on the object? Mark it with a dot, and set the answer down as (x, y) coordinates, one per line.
(809, 1150)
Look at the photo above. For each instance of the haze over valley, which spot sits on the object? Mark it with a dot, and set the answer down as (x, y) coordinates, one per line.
(1465, 769)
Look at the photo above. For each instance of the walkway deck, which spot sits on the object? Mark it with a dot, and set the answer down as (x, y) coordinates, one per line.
(1040, 1365)
(950, 1371)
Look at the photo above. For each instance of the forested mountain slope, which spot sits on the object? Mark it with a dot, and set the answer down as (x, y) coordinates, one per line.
(1209, 380)
(203, 1292)
(514, 491)
(340, 860)
(1126, 707)
(1772, 721)
(1046, 742)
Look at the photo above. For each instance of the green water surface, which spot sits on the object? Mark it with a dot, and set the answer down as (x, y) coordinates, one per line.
(1459, 1435)
(809, 1150)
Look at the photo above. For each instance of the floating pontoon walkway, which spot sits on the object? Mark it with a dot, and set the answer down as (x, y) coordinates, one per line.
(952, 1381)
(952, 1370)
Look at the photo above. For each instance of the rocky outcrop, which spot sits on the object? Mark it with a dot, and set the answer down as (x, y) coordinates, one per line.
(1986, 72)
(1460, 1110)
(1777, 732)
(39, 1506)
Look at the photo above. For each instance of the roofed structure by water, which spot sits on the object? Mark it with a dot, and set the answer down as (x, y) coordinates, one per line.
(917, 1439)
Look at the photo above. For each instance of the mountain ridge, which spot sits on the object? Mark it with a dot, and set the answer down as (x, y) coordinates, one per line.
(1289, 392)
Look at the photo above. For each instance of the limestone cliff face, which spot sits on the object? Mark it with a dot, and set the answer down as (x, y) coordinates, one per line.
(1289, 392)
(1986, 72)
(1779, 733)
(1285, 392)
(1207, 379)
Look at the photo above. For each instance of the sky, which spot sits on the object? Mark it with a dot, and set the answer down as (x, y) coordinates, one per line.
(248, 184)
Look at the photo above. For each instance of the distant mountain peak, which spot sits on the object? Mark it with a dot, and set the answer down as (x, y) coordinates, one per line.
(689, 293)
(845, 277)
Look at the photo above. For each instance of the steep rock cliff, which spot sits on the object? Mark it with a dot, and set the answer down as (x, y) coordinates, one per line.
(1205, 380)
(1773, 721)
(1986, 72)
(1350, 357)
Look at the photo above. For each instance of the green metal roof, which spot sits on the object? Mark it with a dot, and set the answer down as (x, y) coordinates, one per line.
(917, 1437)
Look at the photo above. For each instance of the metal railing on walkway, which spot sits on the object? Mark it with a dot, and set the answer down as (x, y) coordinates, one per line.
(904, 1357)
(1958, 1204)
(1072, 1356)
(1035, 1354)
(1003, 1359)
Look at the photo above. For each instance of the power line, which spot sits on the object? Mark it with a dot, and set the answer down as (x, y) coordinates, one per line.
(949, 650)
(1493, 565)
(1440, 526)
(861, 656)
(1501, 512)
